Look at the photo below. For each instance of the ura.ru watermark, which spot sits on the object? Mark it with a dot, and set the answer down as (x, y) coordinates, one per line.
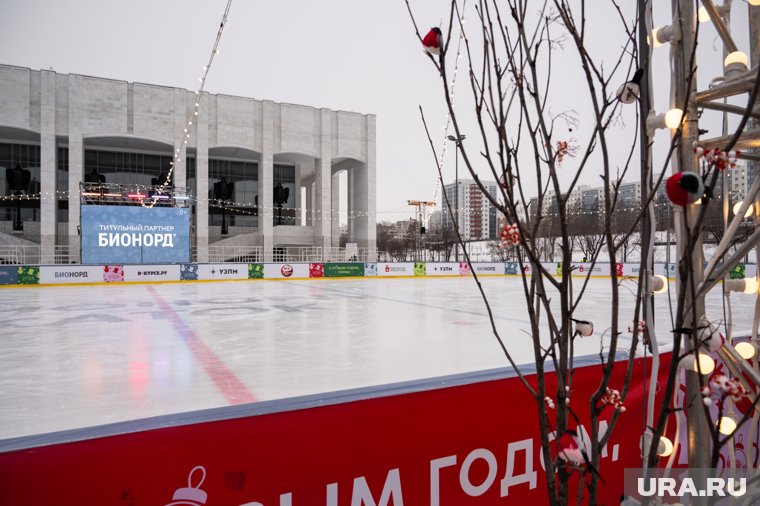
(647, 486)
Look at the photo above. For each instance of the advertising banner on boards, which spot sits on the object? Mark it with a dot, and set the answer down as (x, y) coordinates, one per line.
(8, 275)
(222, 271)
(344, 270)
(589, 269)
(286, 271)
(395, 269)
(441, 269)
(56, 274)
(414, 448)
(135, 234)
(151, 272)
(488, 268)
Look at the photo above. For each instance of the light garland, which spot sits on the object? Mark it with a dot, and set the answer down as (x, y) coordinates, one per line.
(441, 163)
(64, 194)
(198, 91)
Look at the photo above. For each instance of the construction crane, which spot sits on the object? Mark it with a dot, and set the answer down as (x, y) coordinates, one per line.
(421, 208)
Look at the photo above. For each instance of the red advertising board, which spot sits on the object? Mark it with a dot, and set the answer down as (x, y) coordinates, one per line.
(468, 444)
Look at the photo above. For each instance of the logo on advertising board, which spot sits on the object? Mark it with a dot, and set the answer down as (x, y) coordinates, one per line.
(224, 271)
(343, 269)
(29, 275)
(256, 271)
(188, 272)
(70, 274)
(316, 270)
(8, 275)
(286, 270)
(113, 273)
(153, 273)
(192, 495)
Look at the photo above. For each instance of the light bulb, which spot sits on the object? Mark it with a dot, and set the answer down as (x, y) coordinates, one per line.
(727, 425)
(664, 447)
(706, 363)
(749, 211)
(750, 285)
(673, 118)
(754, 2)
(738, 57)
(745, 350)
(703, 15)
(659, 283)
(655, 41)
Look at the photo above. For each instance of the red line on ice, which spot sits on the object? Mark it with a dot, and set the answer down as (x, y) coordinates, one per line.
(224, 379)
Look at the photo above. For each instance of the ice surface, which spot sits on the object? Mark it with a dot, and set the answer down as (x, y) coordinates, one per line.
(83, 356)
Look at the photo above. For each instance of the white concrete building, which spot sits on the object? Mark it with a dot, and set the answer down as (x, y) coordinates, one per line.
(60, 127)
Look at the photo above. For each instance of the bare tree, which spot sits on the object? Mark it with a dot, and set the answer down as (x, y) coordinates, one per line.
(510, 58)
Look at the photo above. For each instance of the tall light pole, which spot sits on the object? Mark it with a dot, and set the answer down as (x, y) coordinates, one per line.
(458, 142)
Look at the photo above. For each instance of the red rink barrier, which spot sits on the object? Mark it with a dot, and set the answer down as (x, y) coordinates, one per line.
(474, 443)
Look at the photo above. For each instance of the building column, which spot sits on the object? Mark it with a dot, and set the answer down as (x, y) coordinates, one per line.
(48, 168)
(201, 181)
(298, 201)
(323, 182)
(351, 201)
(365, 194)
(310, 202)
(335, 209)
(76, 165)
(266, 180)
(179, 173)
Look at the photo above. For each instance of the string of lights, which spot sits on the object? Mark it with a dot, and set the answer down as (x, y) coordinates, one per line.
(444, 142)
(199, 90)
(240, 207)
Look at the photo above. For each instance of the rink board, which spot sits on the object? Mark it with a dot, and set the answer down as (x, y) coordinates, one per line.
(456, 440)
(11, 275)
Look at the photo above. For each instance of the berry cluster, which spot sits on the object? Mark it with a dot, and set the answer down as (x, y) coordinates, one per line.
(562, 150)
(723, 386)
(611, 397)
(720, 159)
(641, 327)
(510, 236)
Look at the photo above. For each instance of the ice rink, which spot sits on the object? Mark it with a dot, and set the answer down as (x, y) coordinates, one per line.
(79, 356)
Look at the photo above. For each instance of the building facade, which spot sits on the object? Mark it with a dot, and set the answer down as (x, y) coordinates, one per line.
(63, 127)
(476, 217)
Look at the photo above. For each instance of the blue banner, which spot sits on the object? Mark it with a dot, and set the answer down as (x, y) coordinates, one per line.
(135, 235)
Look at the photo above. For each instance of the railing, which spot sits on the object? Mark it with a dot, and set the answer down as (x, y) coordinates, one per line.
(33, 255)
(61, 254)
(133, 194)
(241, 254)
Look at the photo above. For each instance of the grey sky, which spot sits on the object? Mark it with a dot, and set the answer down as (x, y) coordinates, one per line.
(355, 55)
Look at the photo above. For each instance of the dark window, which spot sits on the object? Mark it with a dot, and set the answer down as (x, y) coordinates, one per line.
(126, 168)
(240, 208)
(28, 157)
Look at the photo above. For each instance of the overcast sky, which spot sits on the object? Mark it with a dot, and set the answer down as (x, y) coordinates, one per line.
(353, 55)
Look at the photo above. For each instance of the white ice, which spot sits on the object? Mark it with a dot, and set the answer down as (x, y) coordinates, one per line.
(83, 356)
